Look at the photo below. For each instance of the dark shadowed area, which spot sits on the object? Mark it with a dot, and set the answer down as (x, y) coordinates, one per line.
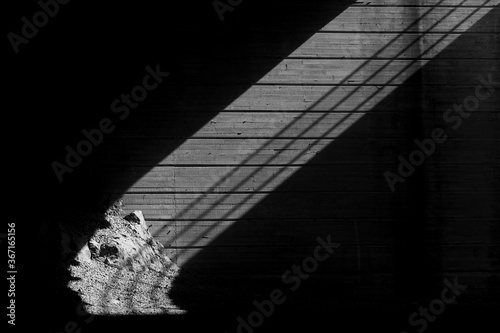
(265, 207)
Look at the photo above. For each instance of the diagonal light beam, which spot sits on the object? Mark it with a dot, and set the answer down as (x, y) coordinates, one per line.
(313, 134)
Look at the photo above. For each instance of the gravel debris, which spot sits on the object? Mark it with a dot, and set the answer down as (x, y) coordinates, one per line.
(108, 290)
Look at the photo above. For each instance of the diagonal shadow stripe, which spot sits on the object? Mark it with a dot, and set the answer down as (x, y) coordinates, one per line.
(405, 68)
(346, 118)
(411, 251)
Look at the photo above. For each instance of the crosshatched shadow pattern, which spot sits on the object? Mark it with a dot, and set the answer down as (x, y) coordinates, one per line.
(415, 236)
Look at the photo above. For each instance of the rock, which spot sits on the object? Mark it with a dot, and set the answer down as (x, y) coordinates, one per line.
(128, 244)
(84, 254)
(119, 242)
(138, 224)
(93, 247)
(135, 216)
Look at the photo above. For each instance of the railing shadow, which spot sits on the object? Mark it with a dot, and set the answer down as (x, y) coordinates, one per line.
(321, 199)
(323, 194)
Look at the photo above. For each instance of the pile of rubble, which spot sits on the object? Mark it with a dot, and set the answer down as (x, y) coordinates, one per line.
(116, 265)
